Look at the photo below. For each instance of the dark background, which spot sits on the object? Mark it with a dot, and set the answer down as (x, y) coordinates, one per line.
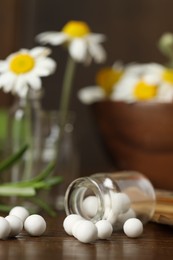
(132, 27)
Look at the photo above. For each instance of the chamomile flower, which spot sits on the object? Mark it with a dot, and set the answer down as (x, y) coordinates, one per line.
(82, 44)
(140, 82)
(23, 69)
(106, 78)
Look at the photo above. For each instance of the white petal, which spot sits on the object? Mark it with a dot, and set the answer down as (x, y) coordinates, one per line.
(6, 78)
(24, 91)
(78, 49)
(97, 52)
(91, 94)
(97, 38)
(47, 65)
(7, 82)
(3, 66)
(40, 51)
(34, 81)
(54, 38)
(20, 84)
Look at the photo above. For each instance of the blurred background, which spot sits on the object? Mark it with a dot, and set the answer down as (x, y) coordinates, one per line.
(132, 28)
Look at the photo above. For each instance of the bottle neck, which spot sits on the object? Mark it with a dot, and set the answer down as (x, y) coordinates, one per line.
(33, 100)
(79, 190)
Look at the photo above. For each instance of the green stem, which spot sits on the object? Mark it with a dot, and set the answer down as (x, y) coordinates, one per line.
(28, 132)
(66, 90)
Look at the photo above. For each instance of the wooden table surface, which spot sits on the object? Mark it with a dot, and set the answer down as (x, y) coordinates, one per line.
(155, 243)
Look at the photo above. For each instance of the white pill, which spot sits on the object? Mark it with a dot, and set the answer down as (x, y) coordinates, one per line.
(75, 227)
(90, 206)
(133, 227)
(112, 217)
(16, 225)
(120, 202)
(115, 204)
(69, 222)
(104, 229)
(19, 212)
(35, 225)
(4, 228)
(86, 232)
(123, 217)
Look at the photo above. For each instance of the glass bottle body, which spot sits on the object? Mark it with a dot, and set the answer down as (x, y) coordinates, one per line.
(29, 124)
(118, 196)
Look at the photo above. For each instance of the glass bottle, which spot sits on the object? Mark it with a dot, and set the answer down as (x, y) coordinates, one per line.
(67, 159)
(115, 197)
(30, 125)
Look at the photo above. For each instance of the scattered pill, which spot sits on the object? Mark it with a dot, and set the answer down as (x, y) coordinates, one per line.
(75, 227)
(133, 227)
(104, 229)
(4, 228)
(123, 217)
(16, 225)
(19, 212)
(69, 222)
(90, 206)
(86, 232)
(35, 225)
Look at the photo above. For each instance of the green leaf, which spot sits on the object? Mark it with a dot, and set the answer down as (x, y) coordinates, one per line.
(8, 190)
(7, 163)
(45, 184)
(45, 173)
(31, 182)
(3, 123)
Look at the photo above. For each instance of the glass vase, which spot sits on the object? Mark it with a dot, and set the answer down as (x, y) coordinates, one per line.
(67, 160)
(28, 125)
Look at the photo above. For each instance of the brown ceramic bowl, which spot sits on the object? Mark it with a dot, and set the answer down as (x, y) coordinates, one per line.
(139, 136)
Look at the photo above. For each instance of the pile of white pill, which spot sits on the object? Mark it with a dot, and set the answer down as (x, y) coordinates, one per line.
(86, 231)
(18, 220)
(118, 215)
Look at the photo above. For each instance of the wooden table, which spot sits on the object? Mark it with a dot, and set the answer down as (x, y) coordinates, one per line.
(155, 243)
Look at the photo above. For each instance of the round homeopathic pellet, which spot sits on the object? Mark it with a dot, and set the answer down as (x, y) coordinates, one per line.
(35, 225)
(75, 227)
(86, 232)
(69, 222)
(19, 212)
(133, 227)
(4, 228)
(90, 206)
(16, 225)
(104, 229)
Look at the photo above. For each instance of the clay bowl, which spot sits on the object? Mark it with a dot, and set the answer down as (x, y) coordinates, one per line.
(139, 136)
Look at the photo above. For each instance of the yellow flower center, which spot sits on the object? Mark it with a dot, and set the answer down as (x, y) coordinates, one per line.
(106, 79)
(168, 75)
(22, 63)
(76, 29)
(144, 91)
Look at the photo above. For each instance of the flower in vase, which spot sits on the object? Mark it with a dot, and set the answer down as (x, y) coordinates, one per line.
(24, 68)
(82, 44)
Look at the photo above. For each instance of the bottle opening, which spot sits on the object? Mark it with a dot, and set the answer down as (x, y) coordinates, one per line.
(84, 197)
